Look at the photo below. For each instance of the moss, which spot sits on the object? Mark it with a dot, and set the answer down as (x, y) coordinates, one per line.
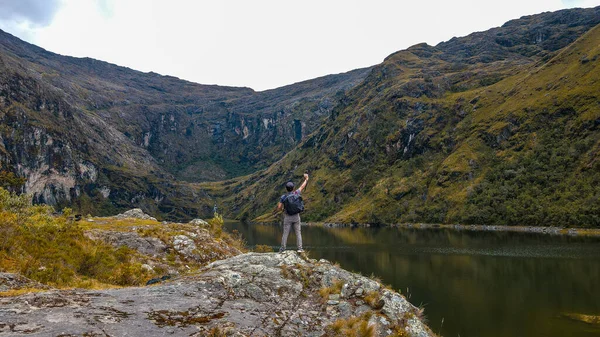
(263, 249)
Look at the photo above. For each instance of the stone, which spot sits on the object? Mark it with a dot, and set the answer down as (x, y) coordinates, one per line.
(135, 213)
(334, 297)
(345, 309)
(199, 222)
(346, 291)
(146, 245)
(184, 245)
(261, 294)
(147, 267)
(10, 281)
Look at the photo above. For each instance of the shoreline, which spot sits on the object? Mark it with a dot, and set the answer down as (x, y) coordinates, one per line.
(574, 231)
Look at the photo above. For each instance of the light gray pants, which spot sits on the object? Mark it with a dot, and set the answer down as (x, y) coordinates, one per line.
(288, 222)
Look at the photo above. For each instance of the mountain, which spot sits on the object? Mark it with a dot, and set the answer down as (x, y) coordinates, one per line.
(498, 127)
(102, 138)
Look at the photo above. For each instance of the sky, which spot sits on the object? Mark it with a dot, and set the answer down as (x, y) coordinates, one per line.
(261, 44)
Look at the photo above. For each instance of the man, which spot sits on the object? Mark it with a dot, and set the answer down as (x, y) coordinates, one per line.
(290, 220)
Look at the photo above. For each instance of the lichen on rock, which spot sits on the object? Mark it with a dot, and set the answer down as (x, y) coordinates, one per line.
(251, 294)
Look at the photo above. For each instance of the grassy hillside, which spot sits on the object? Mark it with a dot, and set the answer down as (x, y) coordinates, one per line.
(433, 135)
(56, 250)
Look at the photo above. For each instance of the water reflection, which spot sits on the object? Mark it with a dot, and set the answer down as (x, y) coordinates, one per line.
(480, 283)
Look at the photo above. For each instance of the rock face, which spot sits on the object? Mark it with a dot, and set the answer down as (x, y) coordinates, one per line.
(456, 133)
(248, 295)
(137, 132)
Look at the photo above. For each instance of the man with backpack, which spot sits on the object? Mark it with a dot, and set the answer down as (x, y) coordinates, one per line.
(292, 205)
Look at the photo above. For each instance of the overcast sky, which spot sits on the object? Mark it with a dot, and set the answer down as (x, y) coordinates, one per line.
(260, 44)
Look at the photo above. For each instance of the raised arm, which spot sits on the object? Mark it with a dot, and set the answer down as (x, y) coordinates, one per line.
(303, 186)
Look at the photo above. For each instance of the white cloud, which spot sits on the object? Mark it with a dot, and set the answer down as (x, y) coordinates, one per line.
(25, 17)
(266, 43)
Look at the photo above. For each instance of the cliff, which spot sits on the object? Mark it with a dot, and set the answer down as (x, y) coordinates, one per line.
(497, 128)
(103, 138)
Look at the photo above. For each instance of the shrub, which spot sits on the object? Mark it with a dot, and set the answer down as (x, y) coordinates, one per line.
(351, 327)
(335, 288)
(54, 250)
(263, 249)
(216, 225)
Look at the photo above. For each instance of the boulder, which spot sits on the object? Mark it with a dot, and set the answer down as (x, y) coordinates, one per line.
(199, 222)
(135, 213)
(150, 246)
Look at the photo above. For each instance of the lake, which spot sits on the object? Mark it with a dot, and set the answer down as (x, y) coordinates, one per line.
(472, 284)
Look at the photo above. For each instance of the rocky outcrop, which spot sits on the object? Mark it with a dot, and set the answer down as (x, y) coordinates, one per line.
(10, 281)
(172, 247)
(137, 132)
(135, 213)
(150, 246)
(199, 222)
(248, 295)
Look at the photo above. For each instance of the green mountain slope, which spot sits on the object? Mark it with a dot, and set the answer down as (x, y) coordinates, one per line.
(499, 127)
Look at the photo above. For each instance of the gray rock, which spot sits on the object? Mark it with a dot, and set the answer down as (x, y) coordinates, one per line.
(147, 267)
(346, 291)
(253, 294)
(184, 245)
(9, 281)
(345, 309)
(146, 245)
(135, 213)
(199, 222)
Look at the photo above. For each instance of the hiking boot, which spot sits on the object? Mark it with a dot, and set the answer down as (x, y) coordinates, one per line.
(301, 250)
(281, 249)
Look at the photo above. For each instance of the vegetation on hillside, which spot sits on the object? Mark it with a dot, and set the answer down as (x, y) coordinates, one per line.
(498, 127)
(428, 137)
(54, 249)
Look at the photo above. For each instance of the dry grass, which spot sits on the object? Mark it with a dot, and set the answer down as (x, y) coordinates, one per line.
(356, 326)
(17, 292)
(263, 249)
(108, 223)
(335, 288)
(373, 299)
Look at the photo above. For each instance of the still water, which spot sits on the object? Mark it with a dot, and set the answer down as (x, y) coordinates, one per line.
(472, 284)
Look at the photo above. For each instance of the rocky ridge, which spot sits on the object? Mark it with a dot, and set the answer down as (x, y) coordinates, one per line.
(138, 132)
(251, 294)
(168, 246)
(495, 128)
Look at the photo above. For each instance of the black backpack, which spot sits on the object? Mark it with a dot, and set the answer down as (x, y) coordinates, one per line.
(293, 204)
